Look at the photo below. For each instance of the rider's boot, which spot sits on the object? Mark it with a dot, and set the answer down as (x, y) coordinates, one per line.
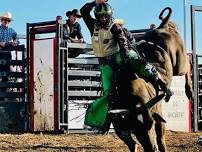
(154, 75)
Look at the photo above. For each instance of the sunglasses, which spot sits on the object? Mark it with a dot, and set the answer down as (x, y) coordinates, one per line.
(6, 20)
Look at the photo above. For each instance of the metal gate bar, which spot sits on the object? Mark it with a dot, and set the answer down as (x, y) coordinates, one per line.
(195, 9)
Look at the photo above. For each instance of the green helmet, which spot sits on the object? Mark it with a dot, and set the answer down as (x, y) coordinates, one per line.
(103, 14)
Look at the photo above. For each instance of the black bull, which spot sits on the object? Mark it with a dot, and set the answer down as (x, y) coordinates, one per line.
(168, 55)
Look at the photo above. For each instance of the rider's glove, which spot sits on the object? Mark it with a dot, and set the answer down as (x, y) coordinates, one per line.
(132, 54)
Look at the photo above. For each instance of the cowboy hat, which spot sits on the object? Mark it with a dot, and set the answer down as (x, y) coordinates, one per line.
(119, 21)
(7, 15)
(73, 12)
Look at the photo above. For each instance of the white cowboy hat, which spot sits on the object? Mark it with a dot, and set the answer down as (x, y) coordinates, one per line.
(119, 21)
(7, 15)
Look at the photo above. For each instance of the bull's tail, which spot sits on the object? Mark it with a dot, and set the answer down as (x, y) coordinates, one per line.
(164, 20)
(188, 87)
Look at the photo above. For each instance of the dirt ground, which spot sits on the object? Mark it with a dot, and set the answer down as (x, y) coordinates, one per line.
(176, 142)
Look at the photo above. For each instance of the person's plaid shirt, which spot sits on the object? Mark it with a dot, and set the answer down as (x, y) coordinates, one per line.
(7, 34)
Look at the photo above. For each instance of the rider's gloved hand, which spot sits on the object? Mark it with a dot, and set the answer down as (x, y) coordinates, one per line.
(100, 1)
(132, 54)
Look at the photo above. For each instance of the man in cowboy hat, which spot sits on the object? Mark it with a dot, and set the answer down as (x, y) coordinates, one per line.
(72, 31)
(8, 37)
(7, 34)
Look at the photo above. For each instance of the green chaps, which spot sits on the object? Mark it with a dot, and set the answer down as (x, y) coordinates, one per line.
(97, 111)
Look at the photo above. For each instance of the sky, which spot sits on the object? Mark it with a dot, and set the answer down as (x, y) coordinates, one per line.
(138, 14)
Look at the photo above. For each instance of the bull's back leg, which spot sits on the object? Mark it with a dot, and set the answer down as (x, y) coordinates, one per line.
(126, 137)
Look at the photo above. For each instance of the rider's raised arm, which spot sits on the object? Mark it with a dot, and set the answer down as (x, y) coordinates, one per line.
(85, 13)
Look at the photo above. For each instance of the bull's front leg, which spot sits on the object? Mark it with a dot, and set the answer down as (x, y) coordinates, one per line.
(126, 137)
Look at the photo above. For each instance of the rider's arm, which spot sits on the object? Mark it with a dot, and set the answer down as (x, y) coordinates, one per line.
(85, 13)
(121, 39)
(129, 36)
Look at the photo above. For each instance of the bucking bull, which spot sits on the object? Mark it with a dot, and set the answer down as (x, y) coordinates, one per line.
(163, 48)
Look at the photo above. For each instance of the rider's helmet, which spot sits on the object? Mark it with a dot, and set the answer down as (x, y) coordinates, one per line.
(103, 14)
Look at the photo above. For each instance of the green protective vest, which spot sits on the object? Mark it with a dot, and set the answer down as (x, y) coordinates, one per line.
(103, 42)
(97, 111)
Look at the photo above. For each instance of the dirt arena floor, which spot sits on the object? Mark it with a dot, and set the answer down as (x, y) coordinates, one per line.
(176, 142)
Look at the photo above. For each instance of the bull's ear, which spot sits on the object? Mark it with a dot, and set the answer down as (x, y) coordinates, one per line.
(157, 117)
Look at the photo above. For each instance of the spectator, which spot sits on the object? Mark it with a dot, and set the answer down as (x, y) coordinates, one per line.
(152, 26)
(8, 38)
(72, 31)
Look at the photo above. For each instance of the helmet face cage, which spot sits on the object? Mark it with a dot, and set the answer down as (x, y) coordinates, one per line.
(103, 14)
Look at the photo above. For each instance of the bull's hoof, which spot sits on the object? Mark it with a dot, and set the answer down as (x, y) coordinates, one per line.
(169, 93)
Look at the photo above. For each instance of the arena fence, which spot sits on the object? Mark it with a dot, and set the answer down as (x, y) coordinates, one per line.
(13, 100)
(60, 87)
(197, 109)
